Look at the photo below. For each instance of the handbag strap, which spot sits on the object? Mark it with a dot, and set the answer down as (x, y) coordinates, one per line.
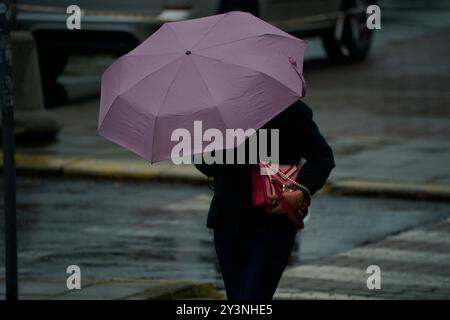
(286, 177)
(297, 221)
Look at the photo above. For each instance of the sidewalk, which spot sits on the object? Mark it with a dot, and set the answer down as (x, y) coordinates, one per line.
(414, 265)
(410, 169)
(113, 289)
(386, 120)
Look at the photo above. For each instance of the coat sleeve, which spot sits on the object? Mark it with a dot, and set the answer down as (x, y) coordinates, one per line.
(207, 169)
(318, 154)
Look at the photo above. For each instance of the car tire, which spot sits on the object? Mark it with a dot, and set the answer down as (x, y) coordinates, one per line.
(355, 41)
(52, 64)
(250, 6)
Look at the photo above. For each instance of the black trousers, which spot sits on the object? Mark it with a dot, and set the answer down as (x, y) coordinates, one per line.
(252, 262)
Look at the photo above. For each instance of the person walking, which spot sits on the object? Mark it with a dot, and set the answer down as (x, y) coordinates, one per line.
(206, 70)
(253, 244)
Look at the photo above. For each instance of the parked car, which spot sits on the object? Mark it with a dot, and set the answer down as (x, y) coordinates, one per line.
(116, 27)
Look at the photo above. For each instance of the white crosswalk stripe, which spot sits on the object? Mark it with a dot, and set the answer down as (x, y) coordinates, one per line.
(358, 275)
(425, 271)
(372, 254)
(318, 295)
(431, 237)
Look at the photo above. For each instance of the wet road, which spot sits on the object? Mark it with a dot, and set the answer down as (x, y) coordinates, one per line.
(400, 21)
(158, 230)
(128, 229)
(399, 92)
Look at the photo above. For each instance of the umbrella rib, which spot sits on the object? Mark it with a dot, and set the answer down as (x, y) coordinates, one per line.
(112, 104)
(151, 54)
(140, 80)
(164, 101)
(145, 77)
(176, 36)
(209, 31)
(204, 82)
(249, 37)
(246, 67)
(212, 98)
(131, 107)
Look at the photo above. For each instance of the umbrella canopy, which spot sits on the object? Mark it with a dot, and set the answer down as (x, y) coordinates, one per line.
(229, 71)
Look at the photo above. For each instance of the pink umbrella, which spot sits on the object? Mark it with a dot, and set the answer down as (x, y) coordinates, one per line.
(229, 71)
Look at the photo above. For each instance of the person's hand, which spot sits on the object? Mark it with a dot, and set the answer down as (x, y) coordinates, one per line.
(295, 199)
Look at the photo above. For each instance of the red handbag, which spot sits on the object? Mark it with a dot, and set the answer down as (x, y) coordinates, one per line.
(268, 180)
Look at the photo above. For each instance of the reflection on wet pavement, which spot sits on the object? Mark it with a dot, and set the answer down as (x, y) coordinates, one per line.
(158, 230)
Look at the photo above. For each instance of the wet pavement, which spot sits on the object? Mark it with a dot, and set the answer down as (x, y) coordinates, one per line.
(399, 92)
(158, 230)
(119, 229)
(400, 21)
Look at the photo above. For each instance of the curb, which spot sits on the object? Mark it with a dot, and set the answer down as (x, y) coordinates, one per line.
(165, 172)
(117, 289)
(106, 169)
(394, 189)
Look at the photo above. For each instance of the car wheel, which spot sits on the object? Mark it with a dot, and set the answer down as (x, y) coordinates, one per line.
(52, 64)
(239, 5)
(355, 38)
